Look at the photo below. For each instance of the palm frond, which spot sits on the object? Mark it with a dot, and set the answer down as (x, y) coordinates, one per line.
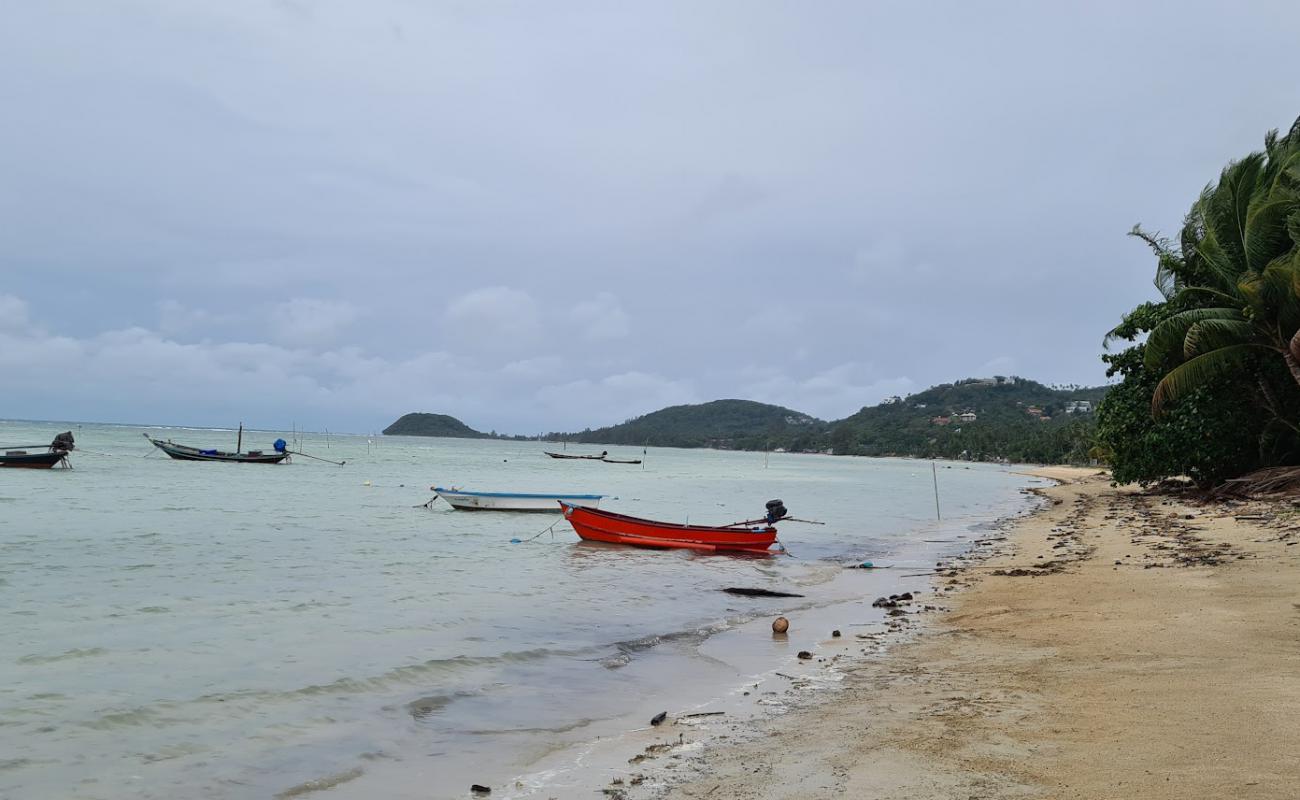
(1223, 362)
(1266, 235)
(1286, 181)
(1281, 290)
(1166, 340)
(1186, 294)
(1169, 262)
(1212, 334)
(1225, 206)
(1219, 266)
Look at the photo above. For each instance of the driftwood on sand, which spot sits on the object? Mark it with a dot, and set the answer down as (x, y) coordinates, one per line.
(746, 592)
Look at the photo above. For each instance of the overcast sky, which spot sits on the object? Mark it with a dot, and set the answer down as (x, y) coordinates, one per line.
(544, 216)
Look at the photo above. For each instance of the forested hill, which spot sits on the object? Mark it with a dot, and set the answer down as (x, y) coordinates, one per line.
(433, 425)
(1005, 418)
(979, 418)
(724, 424)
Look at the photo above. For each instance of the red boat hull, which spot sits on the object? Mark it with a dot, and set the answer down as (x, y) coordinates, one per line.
(595, 525)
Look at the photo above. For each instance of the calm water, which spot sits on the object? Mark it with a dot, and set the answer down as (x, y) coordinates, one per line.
(228, 631)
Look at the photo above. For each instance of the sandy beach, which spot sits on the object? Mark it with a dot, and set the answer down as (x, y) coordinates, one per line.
(1114, 645)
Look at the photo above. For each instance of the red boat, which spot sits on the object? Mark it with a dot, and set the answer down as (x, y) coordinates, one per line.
(596, 525)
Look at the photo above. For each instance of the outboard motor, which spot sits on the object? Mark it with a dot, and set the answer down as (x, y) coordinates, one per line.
(63, 442)
(775, 511)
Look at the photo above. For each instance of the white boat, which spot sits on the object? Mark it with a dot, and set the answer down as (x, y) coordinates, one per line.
(514, 501)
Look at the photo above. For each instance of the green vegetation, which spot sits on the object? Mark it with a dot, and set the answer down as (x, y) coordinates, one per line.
(1014, 420)
(1214, 391)
(724, 424)
(433, 425)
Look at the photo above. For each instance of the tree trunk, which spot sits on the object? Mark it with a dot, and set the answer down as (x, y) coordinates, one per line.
(1292, 354)
(1292, 364)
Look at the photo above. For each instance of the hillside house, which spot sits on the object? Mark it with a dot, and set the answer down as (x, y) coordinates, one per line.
(1078, 407)
(968, 416)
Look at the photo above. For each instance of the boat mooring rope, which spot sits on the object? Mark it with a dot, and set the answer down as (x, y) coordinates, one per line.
(550, 528)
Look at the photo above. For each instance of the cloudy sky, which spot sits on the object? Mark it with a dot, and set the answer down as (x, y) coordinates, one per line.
(541, 216)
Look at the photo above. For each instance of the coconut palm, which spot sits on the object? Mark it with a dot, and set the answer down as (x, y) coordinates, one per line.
(1236, 276)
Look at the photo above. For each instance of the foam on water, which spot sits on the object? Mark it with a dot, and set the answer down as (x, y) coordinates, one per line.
(186, 629)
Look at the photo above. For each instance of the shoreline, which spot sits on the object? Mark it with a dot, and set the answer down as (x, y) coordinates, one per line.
(1115, 644)
(698, 718)
(697, 723)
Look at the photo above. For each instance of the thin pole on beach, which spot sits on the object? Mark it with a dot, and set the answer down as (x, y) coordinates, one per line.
(934, 472)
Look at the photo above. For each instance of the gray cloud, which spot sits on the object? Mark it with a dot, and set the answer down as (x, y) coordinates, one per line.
(567, 214)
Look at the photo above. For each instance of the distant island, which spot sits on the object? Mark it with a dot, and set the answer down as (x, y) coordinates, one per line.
(433, 425)
(983, 419)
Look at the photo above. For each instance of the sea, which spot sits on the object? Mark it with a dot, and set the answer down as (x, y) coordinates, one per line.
(181, 629)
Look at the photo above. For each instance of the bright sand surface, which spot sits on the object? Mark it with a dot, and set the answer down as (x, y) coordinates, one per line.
(1157, 656)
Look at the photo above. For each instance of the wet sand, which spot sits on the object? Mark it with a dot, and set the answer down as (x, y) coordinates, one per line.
(1114, 645)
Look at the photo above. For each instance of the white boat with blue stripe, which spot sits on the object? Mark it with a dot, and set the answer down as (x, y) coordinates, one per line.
(514, 501)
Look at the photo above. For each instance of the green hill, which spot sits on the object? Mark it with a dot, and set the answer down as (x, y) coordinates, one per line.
(433, 425)
(1014, 419)
(983, 419)
(724, 424)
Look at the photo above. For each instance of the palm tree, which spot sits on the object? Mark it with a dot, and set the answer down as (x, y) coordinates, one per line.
(1235, 279)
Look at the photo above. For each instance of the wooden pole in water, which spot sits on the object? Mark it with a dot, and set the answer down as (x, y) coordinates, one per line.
(934, 471)
(239, 442)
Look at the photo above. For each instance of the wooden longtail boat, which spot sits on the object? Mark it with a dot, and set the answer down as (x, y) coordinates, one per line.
(513, 501)
(595, 525)
(598, 457)
(24, 459)
(182, 452)
(55, 453)
(621, 460)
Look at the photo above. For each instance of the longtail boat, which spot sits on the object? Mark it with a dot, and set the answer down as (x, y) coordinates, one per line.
(182, 452)
(24, 459)
(594, 457)
(594, 525)
(621, 460)
(513, 501)
(56, 453)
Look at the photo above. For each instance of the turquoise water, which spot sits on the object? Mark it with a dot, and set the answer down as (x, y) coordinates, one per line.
(229, 631)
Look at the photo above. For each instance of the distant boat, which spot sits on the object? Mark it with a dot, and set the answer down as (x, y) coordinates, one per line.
(621, 460)
(182, 452)
(595, 525)
(55, 453)
(597, 457)
(514, 501)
